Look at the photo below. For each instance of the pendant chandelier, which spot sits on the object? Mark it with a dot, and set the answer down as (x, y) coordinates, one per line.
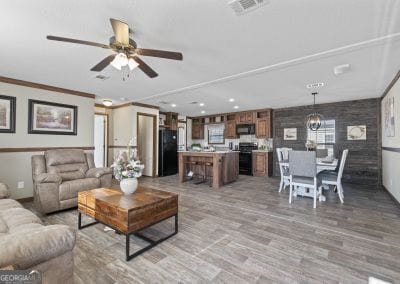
(314, 120)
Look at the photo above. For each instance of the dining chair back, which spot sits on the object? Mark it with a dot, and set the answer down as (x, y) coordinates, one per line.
(283, 169)
(342, 163)
(335, 179)
(285, 153)
(303, 163)
(303, 173)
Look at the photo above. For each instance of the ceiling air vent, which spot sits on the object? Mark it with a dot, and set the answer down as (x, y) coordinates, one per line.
(243, 6)
(102, 77)
(164, 102)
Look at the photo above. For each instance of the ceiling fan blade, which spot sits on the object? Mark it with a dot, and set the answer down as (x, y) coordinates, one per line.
(121, 31)
(65, 39)
(159, 53)
(145, 68)
(104, 63)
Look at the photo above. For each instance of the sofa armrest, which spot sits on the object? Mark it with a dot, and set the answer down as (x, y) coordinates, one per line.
(44, 243)
(4, 192)
(47, 178)
(98, 172)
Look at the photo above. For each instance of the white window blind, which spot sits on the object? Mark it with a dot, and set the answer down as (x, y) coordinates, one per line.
(325, 136)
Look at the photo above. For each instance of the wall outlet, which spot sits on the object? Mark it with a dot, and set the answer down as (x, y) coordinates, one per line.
(20, 185)
(391, 182)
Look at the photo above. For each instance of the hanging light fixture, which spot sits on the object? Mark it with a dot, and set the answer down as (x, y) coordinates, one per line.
(314, 120)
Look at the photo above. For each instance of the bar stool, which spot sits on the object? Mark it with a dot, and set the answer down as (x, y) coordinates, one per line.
(206, 175)
(192, 167)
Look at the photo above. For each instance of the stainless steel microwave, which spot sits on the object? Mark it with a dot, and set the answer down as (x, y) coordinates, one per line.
(245, 129)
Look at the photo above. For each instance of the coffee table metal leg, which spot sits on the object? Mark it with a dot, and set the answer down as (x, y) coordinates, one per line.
(86, 225)
(152, 244)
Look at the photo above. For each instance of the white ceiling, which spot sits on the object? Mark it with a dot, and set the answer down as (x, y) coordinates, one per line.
(262, 59)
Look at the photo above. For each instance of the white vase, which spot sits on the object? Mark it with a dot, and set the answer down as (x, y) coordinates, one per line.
(128, 185)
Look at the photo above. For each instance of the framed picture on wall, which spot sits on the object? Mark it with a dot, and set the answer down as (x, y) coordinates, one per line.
(7, 114)
(290, 134)
(52, 118)
(389, 117)
(357, 132)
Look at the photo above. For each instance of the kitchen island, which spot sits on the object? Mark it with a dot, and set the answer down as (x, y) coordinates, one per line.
(221, 167)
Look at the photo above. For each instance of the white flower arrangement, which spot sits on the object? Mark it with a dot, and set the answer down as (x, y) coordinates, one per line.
(127, 167)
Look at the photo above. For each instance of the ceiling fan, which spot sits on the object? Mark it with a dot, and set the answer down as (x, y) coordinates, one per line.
(126, 51)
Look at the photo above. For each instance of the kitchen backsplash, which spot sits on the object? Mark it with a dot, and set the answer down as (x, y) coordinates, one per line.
(243, 138)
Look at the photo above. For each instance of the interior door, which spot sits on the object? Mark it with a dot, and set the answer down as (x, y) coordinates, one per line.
(146, 139)
(100, 138)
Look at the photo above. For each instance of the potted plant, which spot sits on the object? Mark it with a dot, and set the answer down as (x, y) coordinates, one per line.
(127, 170)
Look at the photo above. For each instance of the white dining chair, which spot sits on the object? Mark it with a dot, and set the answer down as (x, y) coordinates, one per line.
(283, 168)
(303, 173)
(335, 179)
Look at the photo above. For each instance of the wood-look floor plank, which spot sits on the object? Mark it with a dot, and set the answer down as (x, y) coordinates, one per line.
(247, 232)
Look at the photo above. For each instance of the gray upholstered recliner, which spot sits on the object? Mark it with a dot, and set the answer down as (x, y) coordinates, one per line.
(28, 244)
(59, 175)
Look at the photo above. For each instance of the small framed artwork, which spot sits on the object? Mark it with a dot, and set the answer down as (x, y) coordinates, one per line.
(290, 134)
(7, 114)
(52, 118)
(357, 132)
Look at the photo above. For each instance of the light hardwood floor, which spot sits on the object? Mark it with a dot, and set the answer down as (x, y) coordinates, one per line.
(247, 232)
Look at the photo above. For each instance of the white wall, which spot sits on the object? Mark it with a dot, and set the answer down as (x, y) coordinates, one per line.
(16, 167)
(390, 159)
(125, 127)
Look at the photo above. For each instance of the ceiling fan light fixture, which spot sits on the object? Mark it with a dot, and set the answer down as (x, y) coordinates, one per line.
(132, 64)
(107, 102)
(119, 61)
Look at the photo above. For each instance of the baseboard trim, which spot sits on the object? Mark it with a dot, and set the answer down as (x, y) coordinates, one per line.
(391, 196)
(39, 149)
(25, 199)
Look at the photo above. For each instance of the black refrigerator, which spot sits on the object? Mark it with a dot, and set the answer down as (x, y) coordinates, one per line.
(167, 153)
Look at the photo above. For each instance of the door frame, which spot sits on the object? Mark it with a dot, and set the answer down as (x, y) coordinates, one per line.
(154, 116)
(106, 136)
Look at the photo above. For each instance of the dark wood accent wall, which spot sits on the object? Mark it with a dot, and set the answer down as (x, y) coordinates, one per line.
(364, 162)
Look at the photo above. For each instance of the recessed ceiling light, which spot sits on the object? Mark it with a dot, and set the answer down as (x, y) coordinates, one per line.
(203, 111)
(107, 102)
(231, 100)
(123, 99)
(173, 105)
(201, 104)
(236, 107)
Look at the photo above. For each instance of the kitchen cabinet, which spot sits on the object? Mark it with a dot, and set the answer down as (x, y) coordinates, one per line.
(264, 124)
(245, 117)
(263, 128)
(230, 129)
(197, 130)
(262, 163)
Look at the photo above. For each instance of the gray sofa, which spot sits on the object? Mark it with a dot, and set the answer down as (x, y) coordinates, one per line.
(25, 243)
(59, 175)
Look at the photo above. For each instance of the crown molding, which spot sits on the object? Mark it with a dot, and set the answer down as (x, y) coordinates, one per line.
(45, 87)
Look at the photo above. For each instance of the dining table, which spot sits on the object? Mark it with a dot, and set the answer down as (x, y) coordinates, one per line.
(322, 165)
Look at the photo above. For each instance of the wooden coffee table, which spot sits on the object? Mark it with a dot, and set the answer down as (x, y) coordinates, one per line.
(129, 214)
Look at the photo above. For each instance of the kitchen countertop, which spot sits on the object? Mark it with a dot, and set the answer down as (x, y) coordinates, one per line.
(262, 151)
(208, 152)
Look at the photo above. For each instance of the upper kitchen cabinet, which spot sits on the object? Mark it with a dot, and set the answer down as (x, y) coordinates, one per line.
(245, 117)
(264, 124)
(230, 129)
(197, 129)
